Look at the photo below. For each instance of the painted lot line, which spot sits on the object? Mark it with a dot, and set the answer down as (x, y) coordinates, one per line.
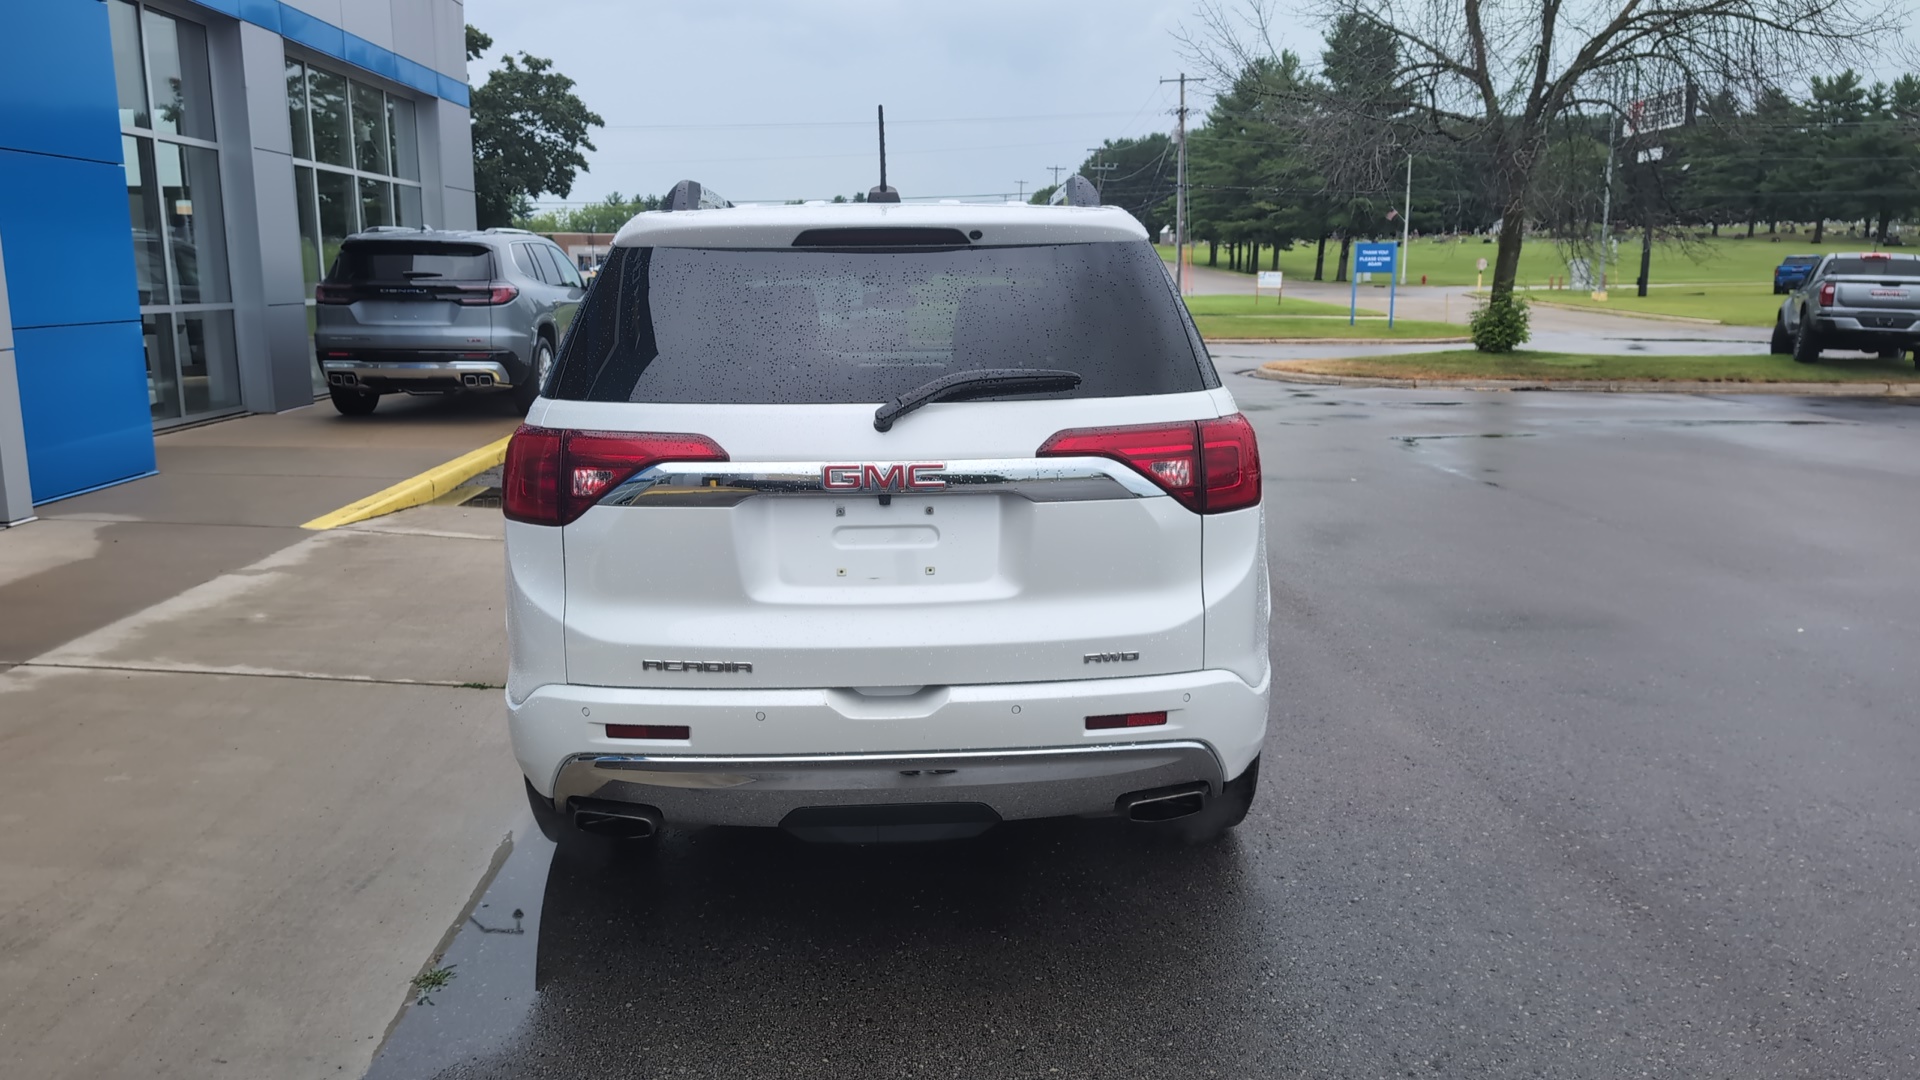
(417, 490)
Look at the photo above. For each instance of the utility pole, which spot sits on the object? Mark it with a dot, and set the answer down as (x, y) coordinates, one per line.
(1180, 192)
(1406, 221)
(1057, 170)
(1099, 170)
(1606, 207)
(1023, 190)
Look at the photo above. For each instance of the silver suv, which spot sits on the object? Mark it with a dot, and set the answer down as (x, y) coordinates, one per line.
(420, 311)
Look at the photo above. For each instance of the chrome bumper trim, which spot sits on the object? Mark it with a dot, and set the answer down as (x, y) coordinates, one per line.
(1048, 782)
(725, 483)
(419, 370)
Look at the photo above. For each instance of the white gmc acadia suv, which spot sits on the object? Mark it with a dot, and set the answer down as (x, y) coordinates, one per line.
(885, 521)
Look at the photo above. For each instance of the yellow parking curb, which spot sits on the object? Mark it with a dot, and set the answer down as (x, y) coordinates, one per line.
(416, 490)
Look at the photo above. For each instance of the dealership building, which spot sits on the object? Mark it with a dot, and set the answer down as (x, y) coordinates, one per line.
(174, 178)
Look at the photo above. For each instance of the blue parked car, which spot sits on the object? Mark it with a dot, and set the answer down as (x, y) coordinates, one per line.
(1792, 271)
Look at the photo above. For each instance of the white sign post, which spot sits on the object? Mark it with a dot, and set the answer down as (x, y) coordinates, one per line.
(1270, 279)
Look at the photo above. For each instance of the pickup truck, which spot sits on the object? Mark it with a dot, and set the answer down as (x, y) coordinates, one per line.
(1792, 271)
(1865, 301)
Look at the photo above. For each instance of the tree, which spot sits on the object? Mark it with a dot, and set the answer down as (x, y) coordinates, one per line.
(1497, 75)
(1135, 175)
(1041, 195)
(605, 216)
(529, 129)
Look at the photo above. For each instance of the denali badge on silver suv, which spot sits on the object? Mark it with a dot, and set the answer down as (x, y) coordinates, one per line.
(884, 521)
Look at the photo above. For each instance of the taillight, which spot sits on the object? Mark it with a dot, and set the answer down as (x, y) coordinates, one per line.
(324, 293)
(552, 477)
(487, 296)
(1210, 466)
(1826, 295)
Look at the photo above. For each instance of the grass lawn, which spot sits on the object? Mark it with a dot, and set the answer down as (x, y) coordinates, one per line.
(1459, 363)
(1444, 261)
(1267, 305)
(1735, 305)
(1214, 327)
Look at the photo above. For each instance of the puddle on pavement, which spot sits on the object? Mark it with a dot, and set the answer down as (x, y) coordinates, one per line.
(491, 960)
(1414, 440)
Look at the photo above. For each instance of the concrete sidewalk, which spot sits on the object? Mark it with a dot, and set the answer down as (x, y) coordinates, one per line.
(250, 773)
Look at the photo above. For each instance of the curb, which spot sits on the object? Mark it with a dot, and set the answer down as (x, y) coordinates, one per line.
(417, 490)
(1599, 386)
(1333, 341)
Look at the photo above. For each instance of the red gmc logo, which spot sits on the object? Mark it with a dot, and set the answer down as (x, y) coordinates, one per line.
(916, 477)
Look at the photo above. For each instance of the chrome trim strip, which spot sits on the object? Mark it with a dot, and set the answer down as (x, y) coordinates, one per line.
(398, 370)
(1022, 783)
(725, 483)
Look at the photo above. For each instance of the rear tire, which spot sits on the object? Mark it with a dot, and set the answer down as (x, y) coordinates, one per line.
(1220, 814)
(1806, 344)
(1782, 343)
(353, 402)
(528, 389)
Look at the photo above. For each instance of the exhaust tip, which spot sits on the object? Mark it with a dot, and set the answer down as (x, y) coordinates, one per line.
(470, 380)
(1165, 804)
(620, 821)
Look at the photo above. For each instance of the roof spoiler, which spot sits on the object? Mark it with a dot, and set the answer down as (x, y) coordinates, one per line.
(689, 195)
(1077, 191)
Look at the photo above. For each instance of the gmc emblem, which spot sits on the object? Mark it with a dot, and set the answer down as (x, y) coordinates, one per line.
(916, 477)
(1108, 657)
(724, 667)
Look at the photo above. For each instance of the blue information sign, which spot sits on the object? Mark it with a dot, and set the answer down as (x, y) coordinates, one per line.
(1373, 259)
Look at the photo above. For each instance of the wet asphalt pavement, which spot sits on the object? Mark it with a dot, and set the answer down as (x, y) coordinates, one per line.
(1595, 752)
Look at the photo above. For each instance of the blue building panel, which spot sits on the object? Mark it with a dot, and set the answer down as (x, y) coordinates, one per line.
(57, 80)
(316, 34)
(69, 238)
(83, 402)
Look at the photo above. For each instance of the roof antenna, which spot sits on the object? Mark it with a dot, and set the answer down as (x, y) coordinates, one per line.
(883, 193)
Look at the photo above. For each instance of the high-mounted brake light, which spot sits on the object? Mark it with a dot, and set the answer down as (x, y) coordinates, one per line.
(1826, 295)
(488, 295)
(1210, 466)
(552, 477)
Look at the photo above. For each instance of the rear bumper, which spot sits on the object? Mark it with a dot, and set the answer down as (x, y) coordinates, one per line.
(1057, 782)
(1868, 330)
(419, 371)
(753, 757)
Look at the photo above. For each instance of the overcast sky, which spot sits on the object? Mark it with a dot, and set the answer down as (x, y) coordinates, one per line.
(774, 99)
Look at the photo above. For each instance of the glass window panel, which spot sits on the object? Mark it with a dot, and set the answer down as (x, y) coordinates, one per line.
(209, 365)
(338, 212)
(402, 139)
(297, 109)
(376, 203)
(143, 206)
(406, 208)
(163, 376)
(327, 110)
(523, 254)
(310, 268)
(128, 78)
(369, 129)
(558, 268)
(177, 75)
(190, 203)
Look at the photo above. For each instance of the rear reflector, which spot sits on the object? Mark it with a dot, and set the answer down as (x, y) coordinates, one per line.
(1210, 466)
(552, 477)
(648, 731)
(1126, 720)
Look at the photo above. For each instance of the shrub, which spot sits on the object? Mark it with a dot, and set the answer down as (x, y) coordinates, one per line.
(1500, 326)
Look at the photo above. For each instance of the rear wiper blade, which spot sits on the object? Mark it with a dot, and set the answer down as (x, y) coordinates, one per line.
(972, 385)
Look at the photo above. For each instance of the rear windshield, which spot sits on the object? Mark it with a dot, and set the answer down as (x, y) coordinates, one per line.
(393, 260)
(1872, 267)
(1800, 260)
(788, 326)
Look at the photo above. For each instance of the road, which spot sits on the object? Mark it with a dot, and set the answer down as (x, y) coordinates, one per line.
(1595, 752)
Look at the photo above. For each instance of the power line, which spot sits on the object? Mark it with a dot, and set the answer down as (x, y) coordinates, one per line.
(863, 123)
